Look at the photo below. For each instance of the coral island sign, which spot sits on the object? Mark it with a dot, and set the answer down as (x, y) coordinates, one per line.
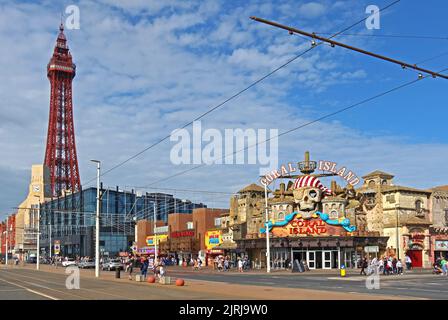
(322, 165)
(295, 225)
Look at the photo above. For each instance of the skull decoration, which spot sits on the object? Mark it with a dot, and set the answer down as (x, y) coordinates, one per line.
(307, 199)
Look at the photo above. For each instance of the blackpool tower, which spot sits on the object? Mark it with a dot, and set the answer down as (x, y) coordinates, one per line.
(60, 154)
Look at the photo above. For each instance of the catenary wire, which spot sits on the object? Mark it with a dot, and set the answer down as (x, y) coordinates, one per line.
(305, 124)
(235, 95)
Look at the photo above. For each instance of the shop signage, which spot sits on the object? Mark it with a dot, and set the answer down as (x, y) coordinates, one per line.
(146, 250)
(180, 234)
(213, 239)
(323, 165)
(160, 238)
(371, 249)
(301, 227)
(215, 251)
(57, 247)
(441, 245)
(163, 229)
(416, 241)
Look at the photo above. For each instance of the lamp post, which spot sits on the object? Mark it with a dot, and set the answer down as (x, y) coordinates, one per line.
(397, 238)
(6, 248)
(49, 234)
(155, 234)
(97, 224)
(268, 249)
(38, 235)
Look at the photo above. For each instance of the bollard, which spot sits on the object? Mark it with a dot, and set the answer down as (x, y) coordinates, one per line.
(342, 270)
(117, 273)
(180, 282)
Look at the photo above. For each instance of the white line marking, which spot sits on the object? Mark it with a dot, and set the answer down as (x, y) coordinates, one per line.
(30, 290)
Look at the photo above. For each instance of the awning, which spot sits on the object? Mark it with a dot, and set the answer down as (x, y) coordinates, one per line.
(226, 246)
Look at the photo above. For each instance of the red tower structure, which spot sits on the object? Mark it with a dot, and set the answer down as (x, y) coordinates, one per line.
(60, 154)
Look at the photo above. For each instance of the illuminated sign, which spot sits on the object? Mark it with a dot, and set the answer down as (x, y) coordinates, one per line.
(213, 239)
(181, 234)
(323, 165)
(301, 227)
(160, 238)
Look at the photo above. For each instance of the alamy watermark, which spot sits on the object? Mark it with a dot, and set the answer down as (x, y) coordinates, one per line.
(234, 146)
(73, 280)
(373, 20)
(72, 22)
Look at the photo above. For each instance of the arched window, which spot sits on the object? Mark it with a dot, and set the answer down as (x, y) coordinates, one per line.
(281, 216)
(371, 184)
(418, 206)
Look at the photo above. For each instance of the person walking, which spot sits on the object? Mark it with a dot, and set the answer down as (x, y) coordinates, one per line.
(364, 265)
(144, 268)
(131, 264)
(408, 262)
(240, 265)
(399, 267)
(444, 265)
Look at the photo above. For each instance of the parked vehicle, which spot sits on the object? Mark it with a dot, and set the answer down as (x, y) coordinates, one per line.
(69, 262)
(112, 264)
(85, 264)
(31, 260)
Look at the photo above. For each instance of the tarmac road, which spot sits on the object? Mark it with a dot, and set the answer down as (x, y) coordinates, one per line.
(426, 286)
(25, 283)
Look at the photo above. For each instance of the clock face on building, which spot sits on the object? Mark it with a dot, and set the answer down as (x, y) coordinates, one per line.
(36, 188)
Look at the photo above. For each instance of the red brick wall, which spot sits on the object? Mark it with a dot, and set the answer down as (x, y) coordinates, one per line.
(203, 220)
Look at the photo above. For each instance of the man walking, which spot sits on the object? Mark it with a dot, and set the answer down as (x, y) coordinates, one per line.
(364, 265)
(408, 262)
(444, 265)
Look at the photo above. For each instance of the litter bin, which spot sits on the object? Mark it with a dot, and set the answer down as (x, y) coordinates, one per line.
(342, 270)
(117, 273)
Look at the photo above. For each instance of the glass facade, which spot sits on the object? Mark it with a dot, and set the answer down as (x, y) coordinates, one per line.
(71, 219)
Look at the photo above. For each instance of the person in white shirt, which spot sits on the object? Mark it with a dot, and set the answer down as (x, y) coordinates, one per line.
(408, 261)
(399, 267)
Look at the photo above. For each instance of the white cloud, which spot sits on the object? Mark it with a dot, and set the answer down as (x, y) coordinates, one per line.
(145, 68)
(312, 10)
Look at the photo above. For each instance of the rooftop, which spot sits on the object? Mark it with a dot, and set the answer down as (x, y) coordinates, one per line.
(378, 173)
(252, 187)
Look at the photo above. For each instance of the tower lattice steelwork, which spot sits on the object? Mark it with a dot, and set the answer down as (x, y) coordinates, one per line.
(60, 154)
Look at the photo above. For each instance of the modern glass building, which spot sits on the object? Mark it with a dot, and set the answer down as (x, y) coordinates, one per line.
(70, 220)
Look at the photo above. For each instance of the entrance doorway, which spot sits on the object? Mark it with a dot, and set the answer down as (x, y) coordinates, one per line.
(416, 258)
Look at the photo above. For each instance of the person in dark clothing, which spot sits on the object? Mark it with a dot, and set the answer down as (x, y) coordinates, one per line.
(131, 265)
(364, 265)
(144, 268)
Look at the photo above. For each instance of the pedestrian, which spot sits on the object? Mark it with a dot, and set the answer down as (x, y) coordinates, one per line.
(131, 264)
(444, 265)
(226, 264)
(408, 262)
(364, 265)
(394, 266)
(144, 267)
(389, 266)
(399, 267)
(240, 265)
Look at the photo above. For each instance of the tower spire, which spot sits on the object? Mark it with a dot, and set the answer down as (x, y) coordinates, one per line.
(60, 154)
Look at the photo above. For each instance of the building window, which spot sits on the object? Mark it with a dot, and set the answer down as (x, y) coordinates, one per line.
(371, 184)
(217, 222)
(281, 216)
(384, 182)
(189, 225)
(419, 206)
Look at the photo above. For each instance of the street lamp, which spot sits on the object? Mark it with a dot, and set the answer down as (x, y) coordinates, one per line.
(6, 232)
(38, 234)
(97, 232)
(155, 234)
(397, 239)
(268, 250)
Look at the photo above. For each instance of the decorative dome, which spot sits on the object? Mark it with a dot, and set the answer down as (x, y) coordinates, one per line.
(310, 181)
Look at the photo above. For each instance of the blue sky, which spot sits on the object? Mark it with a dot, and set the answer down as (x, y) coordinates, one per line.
(145, 68)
